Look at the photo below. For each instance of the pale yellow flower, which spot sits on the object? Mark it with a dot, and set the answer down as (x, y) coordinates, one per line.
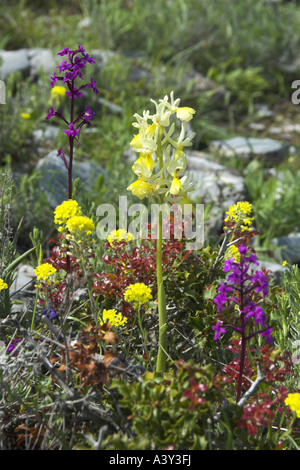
(185, 113)
(176, 186)
(141, 188)
(144, 165)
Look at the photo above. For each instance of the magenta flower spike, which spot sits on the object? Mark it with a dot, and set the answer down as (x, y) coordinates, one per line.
(70, 70)
(238, 293)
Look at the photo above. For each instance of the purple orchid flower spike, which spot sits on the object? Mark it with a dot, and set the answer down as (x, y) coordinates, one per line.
(70, 70)
(240, 291)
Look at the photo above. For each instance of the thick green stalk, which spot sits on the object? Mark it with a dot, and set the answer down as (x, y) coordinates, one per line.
(162, 316)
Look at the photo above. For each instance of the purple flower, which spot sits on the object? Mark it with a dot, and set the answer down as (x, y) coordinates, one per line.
(72, 131)
(260, 282)
(88, 115)
(218, 330)
(267, 333)
(50, 313)
(13, 344)
(64, 51)
(93, 86)
(220, 301)
(51, 113)
(240, 284)
(75, 93)
(242, 249)
(61, 154)
(54, 79)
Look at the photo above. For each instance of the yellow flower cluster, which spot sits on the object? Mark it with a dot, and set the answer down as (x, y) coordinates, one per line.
(3, 285)
(119, 235)
(293, 401)
(57, 94)
(80, 225)
(233, 252)
(137, 294)
(69, 216)
(239, 214)
(65, 211)
(156, 144)
(25, 115)
(44, 271)
(113, 317)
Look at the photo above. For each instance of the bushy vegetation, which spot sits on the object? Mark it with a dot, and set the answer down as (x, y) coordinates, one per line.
(145, 343)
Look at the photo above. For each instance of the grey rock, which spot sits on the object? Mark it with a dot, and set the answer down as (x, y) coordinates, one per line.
(276, 269)
(40, 59)
(214, 182)
(27, 61)
(216, 186)
(54, 176)
(262, 111)
(24, 281)
(14, 61)
(270, 150)
(289, 247)
(47, 134)
(84, 23)
(102, 57)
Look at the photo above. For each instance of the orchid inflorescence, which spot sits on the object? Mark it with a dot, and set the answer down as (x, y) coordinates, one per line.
(236, 294)
(238, 303)
(157, 144)
(71, 70)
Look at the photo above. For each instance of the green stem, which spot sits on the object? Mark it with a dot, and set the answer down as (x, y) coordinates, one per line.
(34, 310)
(162, 317)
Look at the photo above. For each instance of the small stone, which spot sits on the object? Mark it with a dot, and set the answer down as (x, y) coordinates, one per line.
(289, 247)
(270, 150)
(14, 61)
(54, 176)
(40, 59)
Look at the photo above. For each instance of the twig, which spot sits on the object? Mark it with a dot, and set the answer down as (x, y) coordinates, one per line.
(260, 377)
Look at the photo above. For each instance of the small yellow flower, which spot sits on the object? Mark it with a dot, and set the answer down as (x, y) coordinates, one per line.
(25, 115)
(285, 263)
(65, 211)
(141, 188)
(3, 285)
(119, 235)
(113, 317)
(176, 186)
(185, 113)
(44, 271)
(239, 214)
(233, 252)
(144, 165)
(150, 131)
(293, 401)
(80, 225)
(57, 94)
(137, 294)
